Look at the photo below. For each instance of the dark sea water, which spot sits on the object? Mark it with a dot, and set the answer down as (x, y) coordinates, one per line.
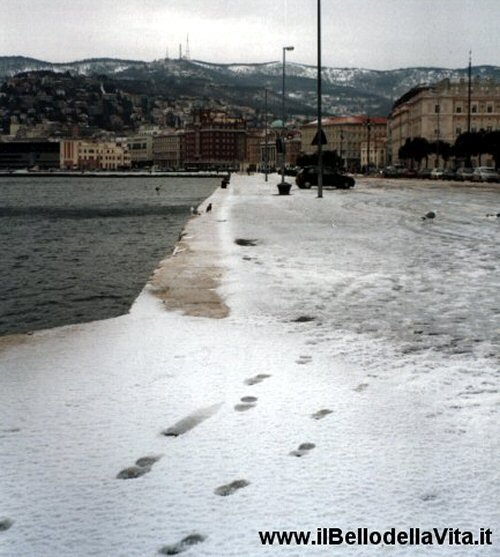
(79, 249)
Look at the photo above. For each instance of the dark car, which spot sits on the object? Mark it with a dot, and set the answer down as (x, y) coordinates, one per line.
(308, 176)
(448, 174)
(409, 173)
(391, 172)
(424, 173)
(464, 174)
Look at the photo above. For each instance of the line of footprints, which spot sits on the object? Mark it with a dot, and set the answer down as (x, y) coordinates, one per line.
(145, 464)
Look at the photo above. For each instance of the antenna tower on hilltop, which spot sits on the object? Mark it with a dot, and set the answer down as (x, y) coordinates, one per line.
(188, 56)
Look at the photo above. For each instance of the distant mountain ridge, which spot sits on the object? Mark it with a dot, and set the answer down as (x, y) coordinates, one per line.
(345, 90)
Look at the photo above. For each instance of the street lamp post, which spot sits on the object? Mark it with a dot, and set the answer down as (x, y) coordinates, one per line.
(283, 184)
(341, 162)
(438, 133)
(319, 133)
(266, 154)
(368, 125)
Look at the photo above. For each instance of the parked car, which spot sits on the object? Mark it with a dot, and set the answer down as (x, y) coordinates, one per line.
(437, 174)
(485, 174)
(308, 176)
(408, 173)
(448, 174)
(424, 173)
(464, 174)
(390, 172)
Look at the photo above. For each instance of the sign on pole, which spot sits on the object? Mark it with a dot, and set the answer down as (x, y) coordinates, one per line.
(323, 139)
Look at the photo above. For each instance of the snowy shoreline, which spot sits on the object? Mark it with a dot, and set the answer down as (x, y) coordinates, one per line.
(129, 435)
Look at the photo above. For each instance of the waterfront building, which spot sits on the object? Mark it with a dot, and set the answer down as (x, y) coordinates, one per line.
(140, 148)
(292, 152)
(114, 155)
(20, 155)
(77, 154)
(441, 112)
(293, 149)
(168, 150)
(215, 139)
(269, 154)
(346, 135)
(254, 138)
(374, 153)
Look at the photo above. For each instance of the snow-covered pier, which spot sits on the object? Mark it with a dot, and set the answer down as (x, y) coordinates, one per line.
(278, 372)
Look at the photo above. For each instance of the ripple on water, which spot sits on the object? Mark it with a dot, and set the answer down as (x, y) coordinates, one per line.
(83, 249)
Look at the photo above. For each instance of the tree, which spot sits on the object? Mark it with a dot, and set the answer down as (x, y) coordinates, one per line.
(414, 149)
(469, 144)
(491, 143)
(420, 150)
(442, 150)
(404, 151)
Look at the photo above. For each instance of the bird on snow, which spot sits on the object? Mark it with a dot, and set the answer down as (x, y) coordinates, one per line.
(209, 207)
(430, 215)
(194, 211)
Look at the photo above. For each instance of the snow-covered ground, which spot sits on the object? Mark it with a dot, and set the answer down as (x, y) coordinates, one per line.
(353, 384)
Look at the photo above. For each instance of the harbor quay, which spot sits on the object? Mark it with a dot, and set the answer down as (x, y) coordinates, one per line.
(297, 366)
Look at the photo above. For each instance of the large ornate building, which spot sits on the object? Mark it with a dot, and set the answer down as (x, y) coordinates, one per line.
(359, 140)
(443, 111)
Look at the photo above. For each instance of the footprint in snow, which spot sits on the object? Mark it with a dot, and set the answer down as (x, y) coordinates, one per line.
(256, 379)
(304, 319)
(320, 414)
(303, 449)
(5, 524)
(229, 489)
(304, 360)
(142, 466)
(183, 545)
(247, 402)
(246, 242)
(361, 387)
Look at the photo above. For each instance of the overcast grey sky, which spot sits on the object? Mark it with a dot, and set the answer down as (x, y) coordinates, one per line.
(378, 34)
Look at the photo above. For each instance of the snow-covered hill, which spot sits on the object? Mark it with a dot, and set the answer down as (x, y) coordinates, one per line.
(346, 90)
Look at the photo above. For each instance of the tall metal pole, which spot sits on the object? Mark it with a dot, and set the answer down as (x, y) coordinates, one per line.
(469, 92)
(438, 133)
(283, 116)
(319, 134)
(283, 121)
(283, 88)
(368, 127)
(266, 154)
(341, 147)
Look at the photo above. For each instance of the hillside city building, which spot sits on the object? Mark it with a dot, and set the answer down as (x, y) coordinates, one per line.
(216, 139)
